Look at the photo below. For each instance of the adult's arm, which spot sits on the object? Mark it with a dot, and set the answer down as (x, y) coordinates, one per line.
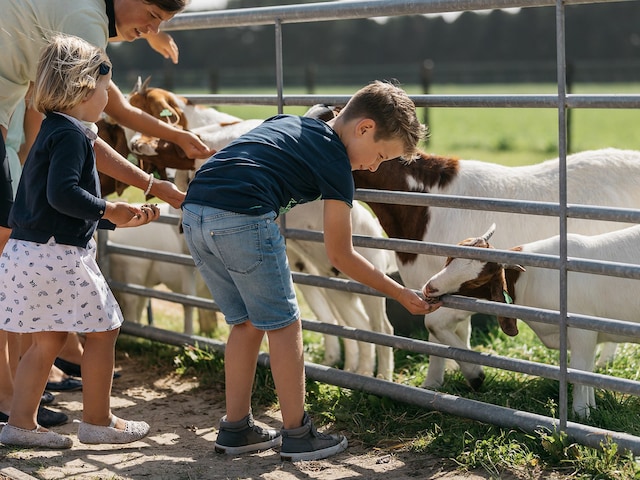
(32, 121)
(111, 163)
(132, 117)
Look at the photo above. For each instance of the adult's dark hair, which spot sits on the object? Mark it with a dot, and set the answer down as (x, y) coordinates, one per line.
(171, 6)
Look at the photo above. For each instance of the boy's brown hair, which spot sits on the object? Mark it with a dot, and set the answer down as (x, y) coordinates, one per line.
(392, 110)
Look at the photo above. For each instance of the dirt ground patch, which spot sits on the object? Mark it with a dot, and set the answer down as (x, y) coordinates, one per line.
(183, 423)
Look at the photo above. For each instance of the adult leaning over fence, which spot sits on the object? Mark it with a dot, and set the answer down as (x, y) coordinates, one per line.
(26, 26)
(24, 29)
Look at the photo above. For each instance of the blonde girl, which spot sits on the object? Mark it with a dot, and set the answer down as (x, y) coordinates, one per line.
(50, 283)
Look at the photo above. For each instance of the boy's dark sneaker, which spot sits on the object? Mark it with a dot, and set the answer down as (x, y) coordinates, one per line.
(306, 443)
(244, 436)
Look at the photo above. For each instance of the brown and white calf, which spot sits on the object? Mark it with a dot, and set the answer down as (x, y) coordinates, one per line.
(588, 294)
(154, 155)
(214, 127)
(607, 177)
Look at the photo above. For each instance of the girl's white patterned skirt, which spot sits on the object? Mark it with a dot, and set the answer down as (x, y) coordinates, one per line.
(54, 287)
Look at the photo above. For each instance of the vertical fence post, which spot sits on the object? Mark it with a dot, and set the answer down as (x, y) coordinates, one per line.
(561, 69)
(570, 72)
(426, 77)
(279, 65)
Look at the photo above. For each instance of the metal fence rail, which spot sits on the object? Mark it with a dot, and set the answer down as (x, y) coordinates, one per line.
(331, 11)
(318, 12)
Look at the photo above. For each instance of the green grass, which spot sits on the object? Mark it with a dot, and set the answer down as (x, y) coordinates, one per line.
(383, 424)
(386, 425)
(510, 137)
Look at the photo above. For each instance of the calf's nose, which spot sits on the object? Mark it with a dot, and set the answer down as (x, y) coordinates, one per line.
(429, 291)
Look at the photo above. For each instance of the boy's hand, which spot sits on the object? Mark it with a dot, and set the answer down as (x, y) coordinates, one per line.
(416, 303)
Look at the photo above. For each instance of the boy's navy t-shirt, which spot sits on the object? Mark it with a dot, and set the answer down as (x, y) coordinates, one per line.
(284, 161)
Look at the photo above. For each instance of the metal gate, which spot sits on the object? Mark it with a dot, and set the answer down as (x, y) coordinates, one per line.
(562, 101)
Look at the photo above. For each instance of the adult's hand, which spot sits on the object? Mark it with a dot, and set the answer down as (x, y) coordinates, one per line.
(164, 44)
(168, 192)
(192, 146)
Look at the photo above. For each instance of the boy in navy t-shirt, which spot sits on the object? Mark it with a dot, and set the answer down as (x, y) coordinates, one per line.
(229, 222)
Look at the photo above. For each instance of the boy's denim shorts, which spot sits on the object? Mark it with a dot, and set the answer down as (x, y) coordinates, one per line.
(243, 261)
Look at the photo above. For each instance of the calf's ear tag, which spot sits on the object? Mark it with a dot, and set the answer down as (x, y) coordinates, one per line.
(507, 298)
(165, 113)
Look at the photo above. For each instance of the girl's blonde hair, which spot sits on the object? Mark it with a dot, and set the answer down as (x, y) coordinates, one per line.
(67, 73)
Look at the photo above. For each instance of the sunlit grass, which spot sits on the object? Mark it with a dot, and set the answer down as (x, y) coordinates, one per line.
(390, 426)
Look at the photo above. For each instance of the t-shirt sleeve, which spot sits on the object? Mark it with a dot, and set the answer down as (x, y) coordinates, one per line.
(90, 27)
(336, 183)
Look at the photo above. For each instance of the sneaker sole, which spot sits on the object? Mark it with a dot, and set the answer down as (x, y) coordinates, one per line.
(254, 447)
(316, 454)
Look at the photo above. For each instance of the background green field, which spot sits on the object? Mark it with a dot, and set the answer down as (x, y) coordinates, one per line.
(510, 136)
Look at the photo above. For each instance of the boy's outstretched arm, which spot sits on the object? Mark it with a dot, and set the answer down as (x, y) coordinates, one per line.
(342, 255)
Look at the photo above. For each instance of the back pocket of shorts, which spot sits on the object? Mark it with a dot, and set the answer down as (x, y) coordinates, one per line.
(239, 247)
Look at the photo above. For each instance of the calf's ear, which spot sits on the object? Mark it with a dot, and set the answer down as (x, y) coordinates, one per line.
(500, 292)
(508, 325)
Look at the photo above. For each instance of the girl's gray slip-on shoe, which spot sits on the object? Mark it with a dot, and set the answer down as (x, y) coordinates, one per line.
(11, 435)
(94, 434)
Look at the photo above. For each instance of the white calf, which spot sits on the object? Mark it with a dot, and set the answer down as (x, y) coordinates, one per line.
(608, 177)
(596, 295)
(150, 273)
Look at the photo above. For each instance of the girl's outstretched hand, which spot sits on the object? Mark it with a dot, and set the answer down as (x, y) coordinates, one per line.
(149, 213)
(123, 214)
(120, 213)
